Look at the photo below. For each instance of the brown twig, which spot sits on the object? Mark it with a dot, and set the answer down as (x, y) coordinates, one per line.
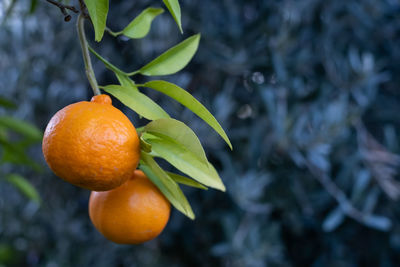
(62, 6)
(64, 9)
(84, 9)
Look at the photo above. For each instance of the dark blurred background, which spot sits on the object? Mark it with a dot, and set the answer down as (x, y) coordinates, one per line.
(308, 92)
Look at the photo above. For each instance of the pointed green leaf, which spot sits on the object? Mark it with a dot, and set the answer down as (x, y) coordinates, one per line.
(98, 10)
(140, 26)
(175, 10)
(190, 102)
(24, 186)
(138, 102)
(184, 160)
(186, 181)
(179, 132)
(170, 62)
(21, 127)
(174, 59)
(108, 65)
(167, 186)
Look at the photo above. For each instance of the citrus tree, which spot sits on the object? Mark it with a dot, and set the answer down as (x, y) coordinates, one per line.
(85, 143)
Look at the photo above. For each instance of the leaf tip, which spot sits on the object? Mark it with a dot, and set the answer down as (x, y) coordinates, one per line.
(191, 216)
(222, 188)
(228, 142)
(219, 185)
(98, 36)
(198, 36)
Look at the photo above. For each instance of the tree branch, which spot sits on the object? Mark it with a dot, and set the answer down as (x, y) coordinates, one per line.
(86, 56)
(64, 9)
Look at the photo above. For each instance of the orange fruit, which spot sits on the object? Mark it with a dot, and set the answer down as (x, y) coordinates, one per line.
(133, 213)
(92, 145)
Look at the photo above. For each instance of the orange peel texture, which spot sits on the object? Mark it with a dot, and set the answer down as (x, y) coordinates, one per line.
(133, 213)
(92, 145)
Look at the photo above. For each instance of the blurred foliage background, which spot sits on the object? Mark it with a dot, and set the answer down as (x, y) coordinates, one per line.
(307, 91)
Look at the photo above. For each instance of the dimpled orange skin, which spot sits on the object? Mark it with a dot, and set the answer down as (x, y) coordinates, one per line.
(133, 213)
(92, 145)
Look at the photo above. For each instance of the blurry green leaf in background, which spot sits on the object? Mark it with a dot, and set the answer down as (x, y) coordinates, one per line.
(16, 136)
(21, 127)
(24, 186)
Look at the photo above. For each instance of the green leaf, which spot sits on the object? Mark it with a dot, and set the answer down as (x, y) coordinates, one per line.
(175, 10)
(184, 160)
(140, 130)
(4, 102)
(136, 101)
(15, 153)
(140, 26)
(179, 132)
(174, 59)
(33, 6)
(24, 186)
(186, 181)
(106, 62)
(170, 62)
(98, 10)
(144, 146)
(125, 81)
(167, 186)
(21, 127)
(190, 102)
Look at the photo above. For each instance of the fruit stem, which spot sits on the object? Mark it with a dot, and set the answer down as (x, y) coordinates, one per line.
(80, 25)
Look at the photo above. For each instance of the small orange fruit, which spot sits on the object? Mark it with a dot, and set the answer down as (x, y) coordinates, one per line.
(133, 213)
(92, 145)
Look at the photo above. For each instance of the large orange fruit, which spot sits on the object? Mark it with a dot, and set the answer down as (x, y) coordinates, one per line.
(133, 213)
(92, 145)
